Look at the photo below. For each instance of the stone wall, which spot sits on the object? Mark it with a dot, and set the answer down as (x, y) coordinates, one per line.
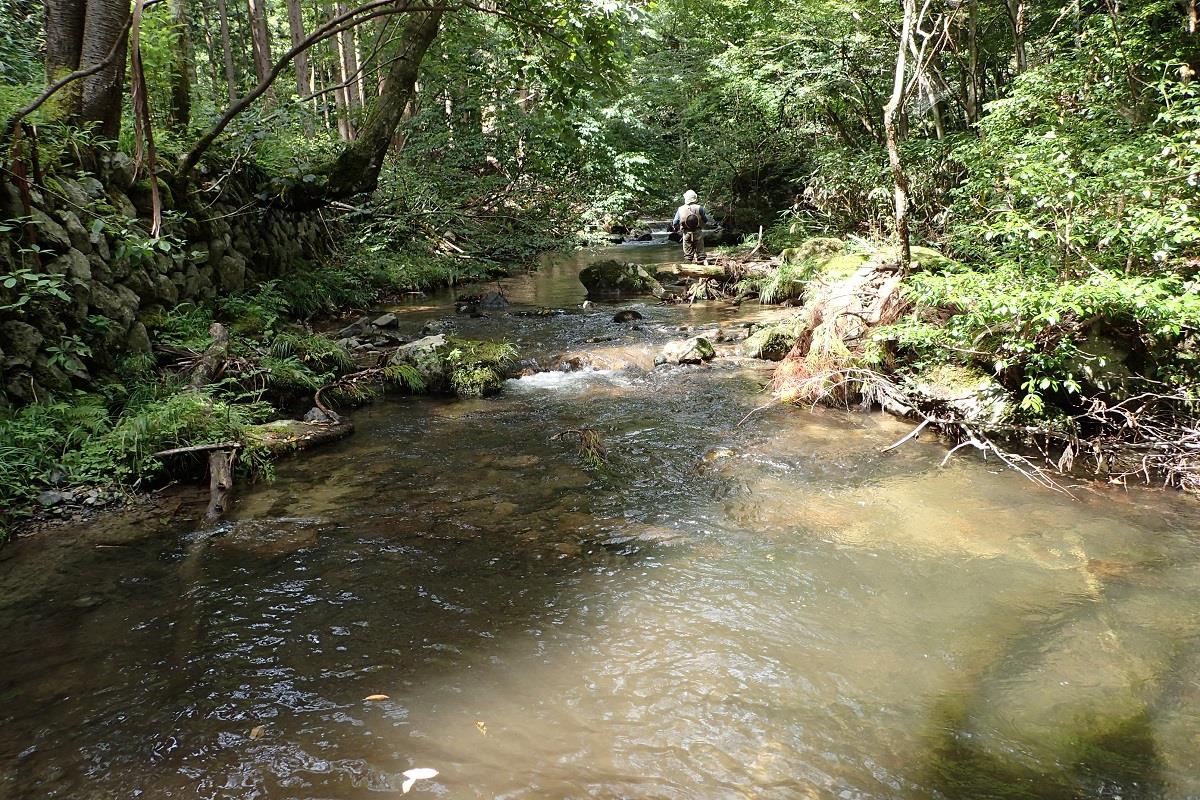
(219, 238)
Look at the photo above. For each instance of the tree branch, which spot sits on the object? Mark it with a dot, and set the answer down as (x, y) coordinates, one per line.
(334, 26)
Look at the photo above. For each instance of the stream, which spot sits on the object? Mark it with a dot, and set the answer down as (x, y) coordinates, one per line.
(733, 607)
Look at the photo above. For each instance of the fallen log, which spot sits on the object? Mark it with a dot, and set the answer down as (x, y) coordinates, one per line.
(293, 435)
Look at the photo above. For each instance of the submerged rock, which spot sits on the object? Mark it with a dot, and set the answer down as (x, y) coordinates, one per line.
(435, 326)
(491, 299)
(696, 350)
(627, 315)
(618, 279)
(572, 362)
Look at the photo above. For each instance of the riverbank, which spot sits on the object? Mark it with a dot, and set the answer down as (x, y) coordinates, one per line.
(851, 340)
(1056, 375)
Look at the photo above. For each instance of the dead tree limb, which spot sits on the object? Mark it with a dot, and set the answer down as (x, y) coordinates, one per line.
(212, 362)
(220, 482)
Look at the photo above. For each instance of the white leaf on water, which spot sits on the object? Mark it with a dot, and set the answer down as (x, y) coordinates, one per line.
(419, 774)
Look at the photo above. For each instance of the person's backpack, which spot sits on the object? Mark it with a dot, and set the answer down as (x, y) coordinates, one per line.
(691, 219)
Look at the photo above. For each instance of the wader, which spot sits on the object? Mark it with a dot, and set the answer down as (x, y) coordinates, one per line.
(693, 245)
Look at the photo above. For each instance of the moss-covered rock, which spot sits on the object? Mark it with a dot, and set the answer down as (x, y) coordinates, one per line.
(462, 367)
(930, 260)
(820, 248)
(770, 343)
(696, 350)
(974, 396)
(618, 279)
(478, 369)
(841, 266)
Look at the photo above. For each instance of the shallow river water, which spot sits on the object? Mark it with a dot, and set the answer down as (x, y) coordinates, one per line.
(770, 609)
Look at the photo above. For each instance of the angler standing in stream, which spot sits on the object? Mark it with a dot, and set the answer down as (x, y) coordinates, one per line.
(690, 219)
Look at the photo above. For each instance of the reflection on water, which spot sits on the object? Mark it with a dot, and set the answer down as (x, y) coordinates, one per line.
(766, 610)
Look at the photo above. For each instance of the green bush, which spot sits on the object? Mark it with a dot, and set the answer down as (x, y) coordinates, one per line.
(1030, 329)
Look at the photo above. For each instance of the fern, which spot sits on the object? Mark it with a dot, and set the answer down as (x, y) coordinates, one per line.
(404, 375)
(313, 349)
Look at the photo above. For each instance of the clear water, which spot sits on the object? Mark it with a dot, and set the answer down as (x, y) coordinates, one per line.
(769, 609)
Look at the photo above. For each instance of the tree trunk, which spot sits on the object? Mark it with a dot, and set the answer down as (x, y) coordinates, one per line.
(260, 40)
(180, 112)
(227, 52)
(360, 67)
(348, 57)
(356, 170)
(100, 94)
(338, 79)
(64, 39)
(973, 93)
(296, 24)
(900, 180)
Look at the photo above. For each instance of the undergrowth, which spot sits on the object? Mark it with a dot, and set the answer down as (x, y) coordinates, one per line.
(1052, 341)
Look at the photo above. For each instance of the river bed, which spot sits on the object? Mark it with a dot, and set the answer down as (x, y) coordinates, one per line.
(746, 602)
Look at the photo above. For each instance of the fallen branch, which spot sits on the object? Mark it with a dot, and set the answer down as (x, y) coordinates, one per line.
(198, 448)
(913, 434)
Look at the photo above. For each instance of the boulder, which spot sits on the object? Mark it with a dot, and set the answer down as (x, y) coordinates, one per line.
(138, 339)
(322, 417)
(626, 315)
(356, 328)
(118, 167)
(696, 350)
(385, 321)
(618, 279)
(427, 357)
(232, 273)
(771, 343)
(81, 239)
(21, 342)
(108, 303)
(51, 235)
(1102, 364)
(972, 395)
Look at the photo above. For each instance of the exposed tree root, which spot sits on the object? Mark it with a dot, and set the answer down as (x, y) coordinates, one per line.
(832, 330)
(1150, 438)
